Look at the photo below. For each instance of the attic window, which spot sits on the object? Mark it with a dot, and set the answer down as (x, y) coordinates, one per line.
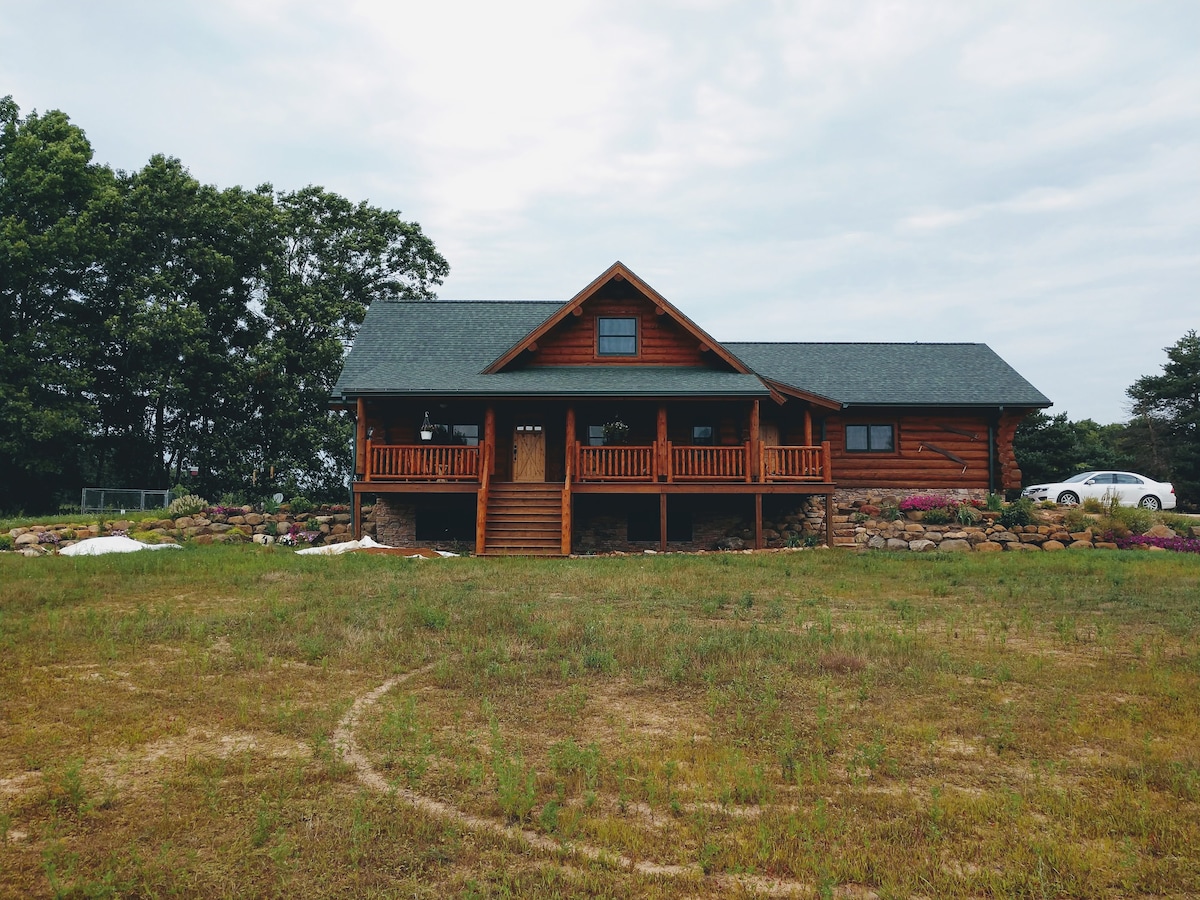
(616, 337)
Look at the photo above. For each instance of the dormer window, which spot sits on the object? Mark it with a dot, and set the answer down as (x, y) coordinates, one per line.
(616, 337)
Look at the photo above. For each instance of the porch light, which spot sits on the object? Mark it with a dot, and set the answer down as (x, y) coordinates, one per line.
(427, 428)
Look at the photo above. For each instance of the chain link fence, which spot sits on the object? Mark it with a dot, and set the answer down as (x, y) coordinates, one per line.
(96, 499)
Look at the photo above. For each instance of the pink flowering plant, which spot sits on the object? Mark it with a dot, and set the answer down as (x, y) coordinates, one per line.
(925, 502)
(1178, 544)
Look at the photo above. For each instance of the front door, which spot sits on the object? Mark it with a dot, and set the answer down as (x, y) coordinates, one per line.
(529, 453)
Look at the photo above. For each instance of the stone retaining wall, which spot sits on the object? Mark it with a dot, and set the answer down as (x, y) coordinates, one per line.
(204, 528)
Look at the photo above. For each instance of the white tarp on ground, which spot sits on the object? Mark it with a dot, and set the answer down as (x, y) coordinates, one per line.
(115, 544)
(344, 547)
(365, 544)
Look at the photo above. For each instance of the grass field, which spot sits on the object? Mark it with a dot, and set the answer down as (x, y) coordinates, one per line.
(232, 721)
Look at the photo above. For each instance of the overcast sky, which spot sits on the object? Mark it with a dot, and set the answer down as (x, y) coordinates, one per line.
(1023, 174)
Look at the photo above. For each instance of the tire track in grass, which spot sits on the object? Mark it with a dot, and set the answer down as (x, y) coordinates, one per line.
(344, 741)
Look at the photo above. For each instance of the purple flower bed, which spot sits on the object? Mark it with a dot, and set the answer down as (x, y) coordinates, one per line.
(1178, 544)
(925, 502)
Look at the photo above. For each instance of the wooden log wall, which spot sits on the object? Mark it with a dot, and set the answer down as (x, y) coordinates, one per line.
(1010, 472)
(661, 340)
(932, 451)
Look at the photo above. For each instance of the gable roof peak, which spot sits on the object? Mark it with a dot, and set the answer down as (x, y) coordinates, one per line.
(618, 272)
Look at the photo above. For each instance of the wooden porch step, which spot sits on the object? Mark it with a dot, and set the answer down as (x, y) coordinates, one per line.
(523, 519)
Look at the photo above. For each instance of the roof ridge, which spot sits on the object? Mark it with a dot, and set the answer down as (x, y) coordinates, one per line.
(858, 343)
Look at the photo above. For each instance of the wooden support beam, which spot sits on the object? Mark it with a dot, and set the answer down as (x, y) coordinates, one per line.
(758, 528)
(808, 428)
(569, 465)
(829, 521)
(489, 437)
(661, 442)
(662, 522)
(755, 440)
(360, 437)
(356, 514)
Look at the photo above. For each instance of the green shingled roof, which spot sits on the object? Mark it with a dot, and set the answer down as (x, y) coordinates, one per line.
(428, 348)
(433, 348)
(893, 374)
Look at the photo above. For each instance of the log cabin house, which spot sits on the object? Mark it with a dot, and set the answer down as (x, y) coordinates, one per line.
(614, 421)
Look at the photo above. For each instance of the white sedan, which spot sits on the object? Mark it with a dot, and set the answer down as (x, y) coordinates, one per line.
(1128, 488)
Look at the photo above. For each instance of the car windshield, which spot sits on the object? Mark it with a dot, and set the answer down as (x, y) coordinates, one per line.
(1082, 476)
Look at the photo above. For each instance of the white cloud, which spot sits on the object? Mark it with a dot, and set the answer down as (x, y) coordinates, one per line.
(1013, 173)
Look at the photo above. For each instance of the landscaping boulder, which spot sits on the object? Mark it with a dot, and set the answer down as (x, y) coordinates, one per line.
(955, 545)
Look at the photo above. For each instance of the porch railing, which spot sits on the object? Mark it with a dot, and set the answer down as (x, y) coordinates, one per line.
(795, 463)
(422, 462)
(652, 462)
(690, 463)
(616, 463)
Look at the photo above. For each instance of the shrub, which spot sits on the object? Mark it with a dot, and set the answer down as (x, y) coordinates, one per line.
(1019, 512)
(1136, 519)
(1077, 520)
(995, 503)
(936, 516)
(300, 505)
(1092, 505)
(6, 543)
(187, 505)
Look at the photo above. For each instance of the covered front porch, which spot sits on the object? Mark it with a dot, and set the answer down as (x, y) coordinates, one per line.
(525, 462)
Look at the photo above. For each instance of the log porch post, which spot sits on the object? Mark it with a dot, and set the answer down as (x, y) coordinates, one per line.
(660, 449)
(360, 438)
(569, 468)
(758, 529)
(357, 514)
(489, 437)
(662, 520)
(752, 464)
(808, 428)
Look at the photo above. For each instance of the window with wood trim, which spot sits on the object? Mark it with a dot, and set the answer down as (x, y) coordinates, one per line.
(595, 436)
(616, 337)
(703, 435)
(871, 438)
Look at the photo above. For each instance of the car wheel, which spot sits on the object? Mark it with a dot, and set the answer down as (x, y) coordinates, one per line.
(1149, 502)
(1066, 498)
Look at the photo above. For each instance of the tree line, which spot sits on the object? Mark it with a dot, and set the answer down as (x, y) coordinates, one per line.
(1161, 439)
(152, 327)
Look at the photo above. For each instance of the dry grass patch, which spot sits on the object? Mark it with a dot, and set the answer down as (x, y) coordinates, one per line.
(813, 724)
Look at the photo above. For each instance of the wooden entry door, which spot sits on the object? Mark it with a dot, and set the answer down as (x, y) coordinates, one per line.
(529, 453)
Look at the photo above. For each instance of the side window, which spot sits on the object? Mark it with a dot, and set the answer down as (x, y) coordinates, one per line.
(702, 435)
(595, 436)
(870, 438)
(1129, 479)
(466, 434)
(616, 337)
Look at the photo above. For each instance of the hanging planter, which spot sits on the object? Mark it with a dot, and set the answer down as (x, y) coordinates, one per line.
(427, 428)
